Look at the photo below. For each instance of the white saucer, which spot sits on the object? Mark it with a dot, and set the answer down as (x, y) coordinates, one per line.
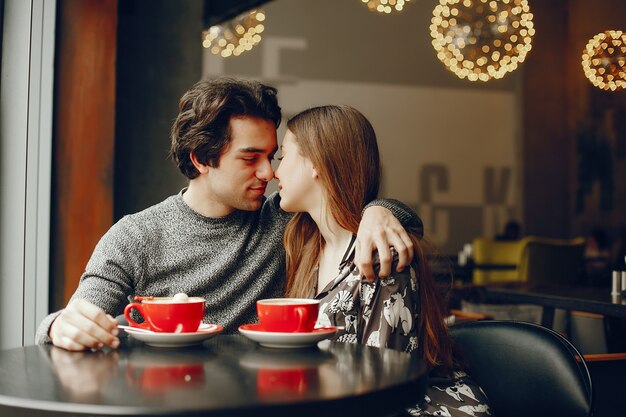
(205, 331)
(280, 340)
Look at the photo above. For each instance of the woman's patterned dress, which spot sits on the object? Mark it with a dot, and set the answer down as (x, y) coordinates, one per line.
(384, 314)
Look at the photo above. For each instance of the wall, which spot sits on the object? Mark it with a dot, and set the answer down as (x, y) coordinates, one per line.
(82, 186)
(448, 146)
(575, 134)
(547, 142)
(604, 113)
(159, 58)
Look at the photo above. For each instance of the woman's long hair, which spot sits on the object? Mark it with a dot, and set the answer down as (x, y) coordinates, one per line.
(341, 144)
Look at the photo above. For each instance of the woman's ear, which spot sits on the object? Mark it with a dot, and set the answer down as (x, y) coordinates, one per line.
(314, 174)
(202, 168)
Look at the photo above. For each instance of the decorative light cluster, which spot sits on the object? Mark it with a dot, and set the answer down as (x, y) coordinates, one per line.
(385, 6)
(482, 39)
(235, 36)
(604, 60)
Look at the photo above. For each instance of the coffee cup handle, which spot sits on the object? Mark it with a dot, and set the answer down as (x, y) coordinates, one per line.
(132, 322)
(303, 317)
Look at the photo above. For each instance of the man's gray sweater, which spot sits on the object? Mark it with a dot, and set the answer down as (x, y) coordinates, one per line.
(169, 248)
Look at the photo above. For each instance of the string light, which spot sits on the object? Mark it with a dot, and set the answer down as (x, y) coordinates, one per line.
(604, 60)
(236, 36)
(482, 39)
(385, 6)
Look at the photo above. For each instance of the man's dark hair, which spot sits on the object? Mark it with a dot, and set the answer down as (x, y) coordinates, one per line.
(204, 112)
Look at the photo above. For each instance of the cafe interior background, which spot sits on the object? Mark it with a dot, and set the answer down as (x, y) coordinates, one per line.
(90, 89)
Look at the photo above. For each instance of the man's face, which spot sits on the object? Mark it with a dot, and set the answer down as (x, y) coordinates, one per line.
(245, 166)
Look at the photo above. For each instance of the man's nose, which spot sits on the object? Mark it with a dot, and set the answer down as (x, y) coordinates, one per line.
(265, 172)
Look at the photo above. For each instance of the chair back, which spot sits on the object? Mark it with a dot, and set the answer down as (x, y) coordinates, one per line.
(525, 369)
(552, 261)
(489, 252)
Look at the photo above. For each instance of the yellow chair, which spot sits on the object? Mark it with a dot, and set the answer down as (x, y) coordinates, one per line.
(492, 254)
(551, 261)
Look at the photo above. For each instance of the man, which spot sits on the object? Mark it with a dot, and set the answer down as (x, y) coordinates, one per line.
(219, 238)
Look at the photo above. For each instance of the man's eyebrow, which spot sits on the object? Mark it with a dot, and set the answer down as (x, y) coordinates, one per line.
(256, 150)
(251, 150)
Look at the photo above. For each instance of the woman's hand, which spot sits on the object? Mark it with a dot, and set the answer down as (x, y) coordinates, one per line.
(378, 231)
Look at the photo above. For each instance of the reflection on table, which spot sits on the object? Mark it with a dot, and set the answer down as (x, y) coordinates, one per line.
(228, 375)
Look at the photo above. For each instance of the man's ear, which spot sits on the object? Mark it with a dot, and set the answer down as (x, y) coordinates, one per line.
(202, 168)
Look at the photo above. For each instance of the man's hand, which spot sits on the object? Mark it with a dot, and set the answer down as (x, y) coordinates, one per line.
(379, 229)
(83, 325)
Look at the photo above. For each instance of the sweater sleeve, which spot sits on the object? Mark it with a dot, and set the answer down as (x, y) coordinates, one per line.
(271, 211)
(110, 275)
(405, 215)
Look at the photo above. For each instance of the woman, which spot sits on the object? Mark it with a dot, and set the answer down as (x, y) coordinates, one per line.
(329, 171)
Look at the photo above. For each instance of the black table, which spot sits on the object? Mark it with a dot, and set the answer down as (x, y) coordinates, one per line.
(227, 376)
(589, 299)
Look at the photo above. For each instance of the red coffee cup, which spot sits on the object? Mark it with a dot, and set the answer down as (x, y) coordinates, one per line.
(289, 315)
(164, 314)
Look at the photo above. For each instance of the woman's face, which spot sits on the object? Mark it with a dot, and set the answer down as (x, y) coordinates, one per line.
(297, 179)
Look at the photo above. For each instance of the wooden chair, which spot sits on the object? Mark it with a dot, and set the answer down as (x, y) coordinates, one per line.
(465, 316)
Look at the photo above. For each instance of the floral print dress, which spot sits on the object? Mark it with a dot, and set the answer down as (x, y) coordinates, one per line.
(384, 314)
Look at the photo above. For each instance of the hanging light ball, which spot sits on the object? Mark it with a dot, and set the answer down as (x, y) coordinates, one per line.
(236, 36)
(385, 6)
(482, 39)
(604, 60)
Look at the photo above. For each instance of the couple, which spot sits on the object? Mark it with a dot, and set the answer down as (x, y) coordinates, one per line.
(221, 239)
